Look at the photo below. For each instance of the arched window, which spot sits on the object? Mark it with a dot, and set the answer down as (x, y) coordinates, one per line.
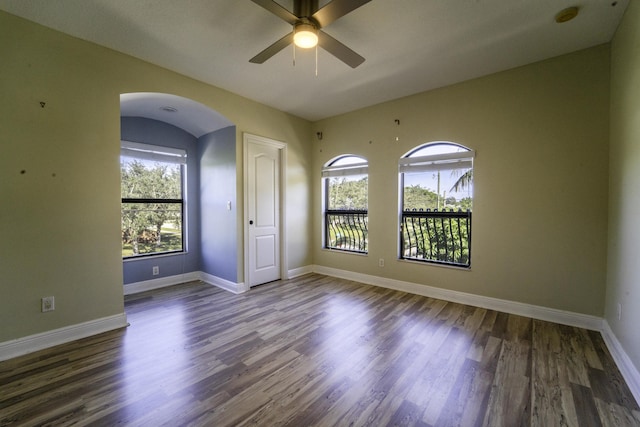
(437, 197)
(345, 204)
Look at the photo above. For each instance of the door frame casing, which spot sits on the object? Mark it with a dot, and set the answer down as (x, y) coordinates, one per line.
(248, 138)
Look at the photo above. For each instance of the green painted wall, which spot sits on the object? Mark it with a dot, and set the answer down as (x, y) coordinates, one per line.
(541, 173)
(623, 280)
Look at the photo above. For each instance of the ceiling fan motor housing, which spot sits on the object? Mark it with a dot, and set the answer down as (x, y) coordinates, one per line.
(305, 34)
(308, 23)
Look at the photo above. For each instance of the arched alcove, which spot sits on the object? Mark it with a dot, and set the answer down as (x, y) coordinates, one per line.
(184, 113)
(209, 181)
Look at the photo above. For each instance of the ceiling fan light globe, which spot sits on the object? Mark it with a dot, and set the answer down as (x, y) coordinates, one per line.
(305, 36)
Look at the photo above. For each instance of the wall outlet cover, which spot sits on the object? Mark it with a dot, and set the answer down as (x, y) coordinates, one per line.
(48, 304)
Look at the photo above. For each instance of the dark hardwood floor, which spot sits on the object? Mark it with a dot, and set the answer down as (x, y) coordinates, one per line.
(318, 351)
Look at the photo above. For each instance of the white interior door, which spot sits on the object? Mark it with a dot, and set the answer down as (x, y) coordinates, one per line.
(263, 199)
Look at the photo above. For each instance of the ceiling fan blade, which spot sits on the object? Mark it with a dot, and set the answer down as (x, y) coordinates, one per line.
(273, 49)
(339, 50)
(277, 10)
(336, 9)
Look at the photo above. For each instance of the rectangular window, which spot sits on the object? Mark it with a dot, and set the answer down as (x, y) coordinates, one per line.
(436, 208)
(346, 216)
(152, 191)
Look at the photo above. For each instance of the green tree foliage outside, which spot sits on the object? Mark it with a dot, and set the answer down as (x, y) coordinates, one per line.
(417, 197)
(150, 227)
(348, 193)
(442, 239)
(351, 194)
(347, 231)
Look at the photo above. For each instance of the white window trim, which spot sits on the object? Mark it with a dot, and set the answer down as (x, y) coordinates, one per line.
(345, 170)
(462, 160)
(153, 152)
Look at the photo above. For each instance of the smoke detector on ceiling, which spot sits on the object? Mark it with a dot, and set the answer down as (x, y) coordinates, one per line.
(566, 15)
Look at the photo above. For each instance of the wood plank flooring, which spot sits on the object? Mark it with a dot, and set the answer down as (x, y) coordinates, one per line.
(318, 351)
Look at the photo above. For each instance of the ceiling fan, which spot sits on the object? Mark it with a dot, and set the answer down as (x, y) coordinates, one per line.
(307, 21)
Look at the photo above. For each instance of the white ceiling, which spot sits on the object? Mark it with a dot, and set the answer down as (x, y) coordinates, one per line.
(410, 46)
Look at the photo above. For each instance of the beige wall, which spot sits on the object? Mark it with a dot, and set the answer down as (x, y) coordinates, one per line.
(540, 208)
(59, 220)
(623, 280)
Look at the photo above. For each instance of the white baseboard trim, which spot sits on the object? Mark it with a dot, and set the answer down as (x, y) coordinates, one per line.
(31, 343)
(236, 288)
(162, 282)
(301, 271)
(512, 307)
(624, 363)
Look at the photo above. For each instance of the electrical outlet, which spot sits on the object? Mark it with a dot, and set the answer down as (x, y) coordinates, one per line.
(48, 304)
(156, 270)
(381, 262)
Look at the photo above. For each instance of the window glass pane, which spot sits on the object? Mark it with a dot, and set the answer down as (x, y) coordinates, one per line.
(347, 192)
(441, 189)
(155, 223)
(151, 228)
(347, 231)
(437, 148)
(348, 160)
(146, 179)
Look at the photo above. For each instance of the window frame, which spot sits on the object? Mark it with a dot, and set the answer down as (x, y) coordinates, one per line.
(463, 159)
(354, 216)
(161, 155)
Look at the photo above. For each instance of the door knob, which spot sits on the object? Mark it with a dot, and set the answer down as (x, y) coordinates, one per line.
(250, 222)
